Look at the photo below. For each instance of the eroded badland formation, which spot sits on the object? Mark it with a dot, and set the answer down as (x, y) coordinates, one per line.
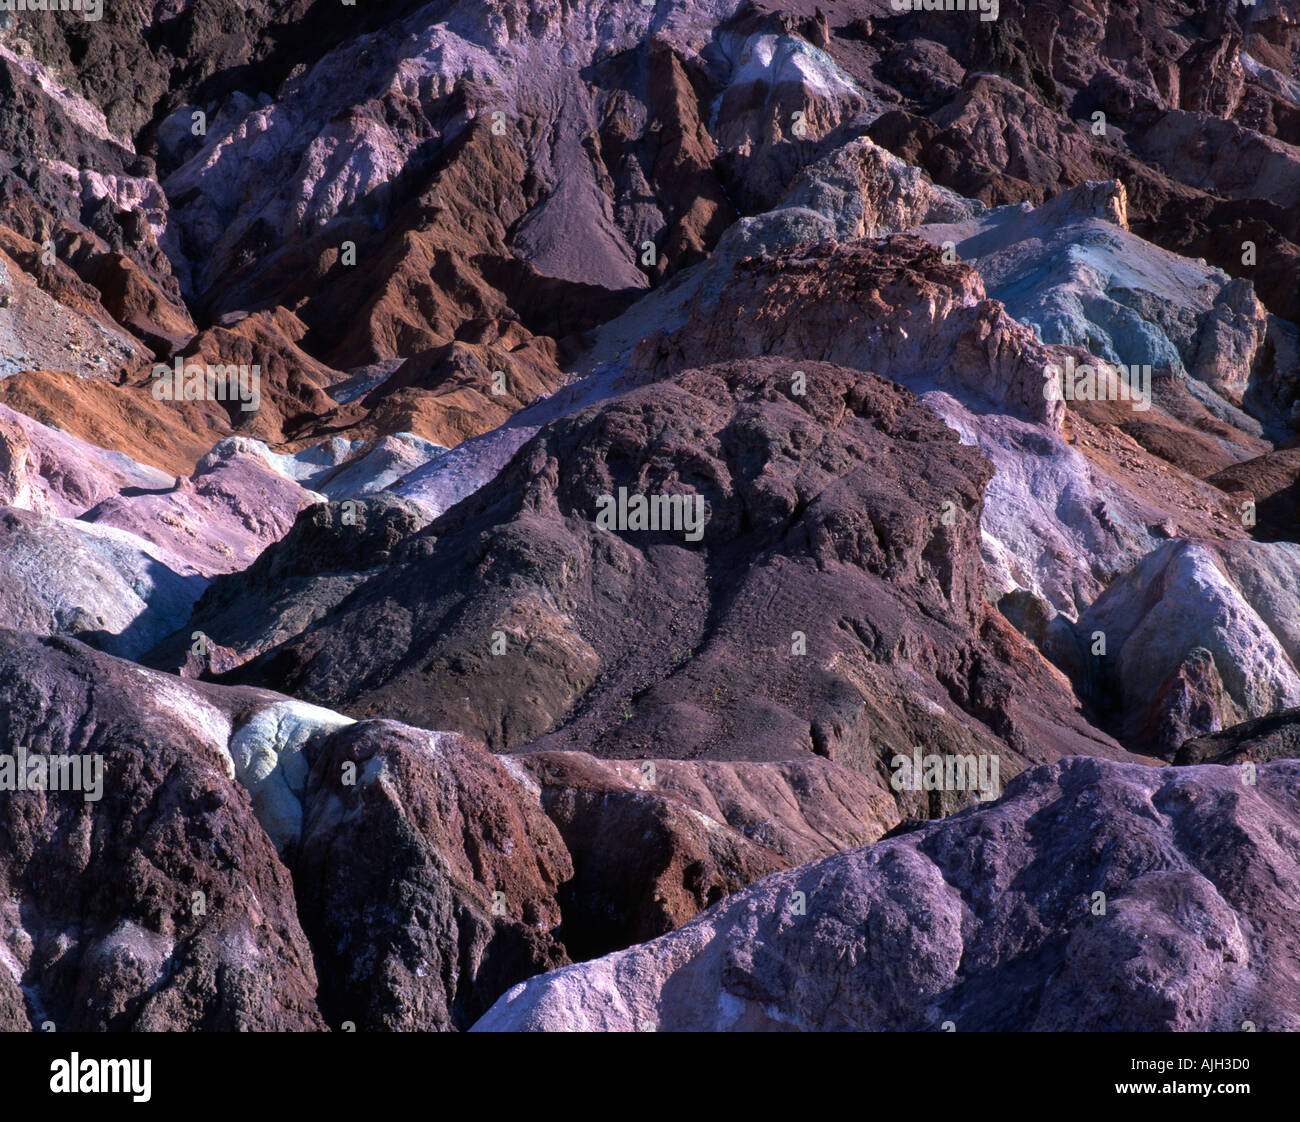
(694, 515)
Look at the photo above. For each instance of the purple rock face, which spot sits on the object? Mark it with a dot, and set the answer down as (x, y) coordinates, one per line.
(1094, 897)
(700, 515)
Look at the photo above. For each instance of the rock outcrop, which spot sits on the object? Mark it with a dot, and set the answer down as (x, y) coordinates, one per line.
(189, 856)
(1262, 740)
(684, 461)
(1094, 897)
(148, 897)
(1195, 638)
(827, 599)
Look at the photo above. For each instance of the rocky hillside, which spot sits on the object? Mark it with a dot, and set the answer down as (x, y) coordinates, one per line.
(1129, 913)
(623, 514)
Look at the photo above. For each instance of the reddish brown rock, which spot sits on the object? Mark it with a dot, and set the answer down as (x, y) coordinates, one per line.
(630, 644)
(427, 874)
(427, 884)
(654, 842)
(159, 906)
(1272, 483)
